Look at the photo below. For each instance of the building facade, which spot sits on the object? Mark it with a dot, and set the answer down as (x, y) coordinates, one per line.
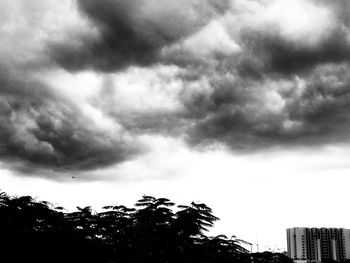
(318, 244)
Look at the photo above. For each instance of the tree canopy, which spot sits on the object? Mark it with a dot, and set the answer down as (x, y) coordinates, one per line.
(154, 230)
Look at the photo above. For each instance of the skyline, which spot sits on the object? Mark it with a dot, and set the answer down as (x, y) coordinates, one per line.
(242, 105)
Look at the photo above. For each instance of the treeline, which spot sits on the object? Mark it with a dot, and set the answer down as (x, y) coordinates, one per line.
(36, 231)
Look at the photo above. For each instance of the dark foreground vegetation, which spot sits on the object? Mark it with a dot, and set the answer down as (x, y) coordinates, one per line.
(36, 231)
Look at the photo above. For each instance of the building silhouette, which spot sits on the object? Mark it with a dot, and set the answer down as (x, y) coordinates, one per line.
(318, 244)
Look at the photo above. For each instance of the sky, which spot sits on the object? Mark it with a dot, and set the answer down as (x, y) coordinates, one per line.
(241, 104)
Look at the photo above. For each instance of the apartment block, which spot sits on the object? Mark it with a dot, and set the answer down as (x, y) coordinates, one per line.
(318, 244)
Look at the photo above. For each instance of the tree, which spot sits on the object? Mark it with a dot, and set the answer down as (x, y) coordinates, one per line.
(34, 231)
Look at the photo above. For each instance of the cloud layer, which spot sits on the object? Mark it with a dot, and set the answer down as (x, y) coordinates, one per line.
(40, 129)
(249, 75)
(132, 32)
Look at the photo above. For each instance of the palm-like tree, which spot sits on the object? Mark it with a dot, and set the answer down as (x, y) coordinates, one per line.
(194, 220)
(153, 226)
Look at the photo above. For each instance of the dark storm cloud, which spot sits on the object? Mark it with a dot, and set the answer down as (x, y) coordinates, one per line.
(272, 81)
(130, 32)
(255, 114)
(41, 130)
(278, 90)
(280, 55)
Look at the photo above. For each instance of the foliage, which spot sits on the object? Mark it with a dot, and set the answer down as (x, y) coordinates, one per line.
(269, 257)
(36, 231)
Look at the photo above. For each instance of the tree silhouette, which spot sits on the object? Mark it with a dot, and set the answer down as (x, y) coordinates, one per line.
(35, 231)
(193, 220)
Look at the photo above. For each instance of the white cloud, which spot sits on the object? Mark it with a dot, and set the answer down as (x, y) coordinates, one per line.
(300, 21)
(211, 40)
(143, 90)
(303, 22)
(81, 88)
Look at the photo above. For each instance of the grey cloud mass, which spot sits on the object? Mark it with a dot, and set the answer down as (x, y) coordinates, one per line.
(310, 112)
(270, 91)
(131, 32)
(282, 56)
(41, 130)
(246, 74)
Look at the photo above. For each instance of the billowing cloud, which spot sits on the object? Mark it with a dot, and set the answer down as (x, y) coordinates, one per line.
(252, 77)
(286, 85)
(131, 32)
(41, 129)
(280, 55)
(246, 74)
(254, 114)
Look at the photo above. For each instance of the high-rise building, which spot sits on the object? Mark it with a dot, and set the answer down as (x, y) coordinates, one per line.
(318, 244)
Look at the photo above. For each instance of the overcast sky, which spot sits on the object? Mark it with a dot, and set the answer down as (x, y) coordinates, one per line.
(241, 104)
